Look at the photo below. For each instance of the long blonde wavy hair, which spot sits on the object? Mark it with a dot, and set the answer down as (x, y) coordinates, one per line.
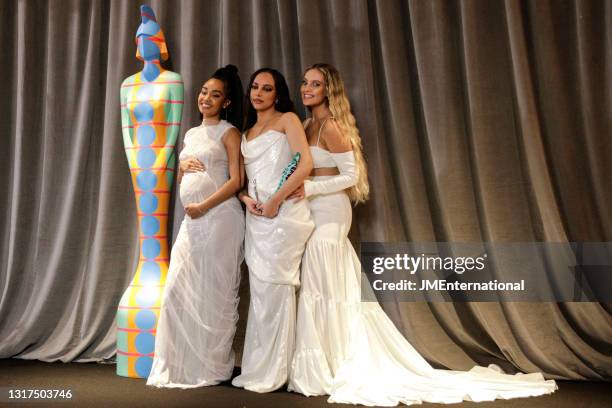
(340, 108)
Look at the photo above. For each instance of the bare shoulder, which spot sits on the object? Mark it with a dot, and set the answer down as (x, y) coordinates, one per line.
(334, 139)
(231, 135)
(290, 119)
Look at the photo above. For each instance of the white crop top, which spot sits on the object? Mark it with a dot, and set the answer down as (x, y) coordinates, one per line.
(321, 157)
(345, 162)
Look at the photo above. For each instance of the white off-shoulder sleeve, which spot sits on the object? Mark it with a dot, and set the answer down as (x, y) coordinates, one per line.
(347, 177)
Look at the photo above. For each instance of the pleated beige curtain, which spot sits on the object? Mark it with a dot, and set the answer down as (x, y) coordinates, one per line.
(481, 121)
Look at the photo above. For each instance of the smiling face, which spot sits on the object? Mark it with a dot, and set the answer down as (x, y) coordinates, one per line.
(212, 98)
(313, 88)
(263, 91)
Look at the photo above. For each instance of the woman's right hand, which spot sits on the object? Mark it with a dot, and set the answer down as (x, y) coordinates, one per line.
(191, 165)
(298, 194)
(251, 205)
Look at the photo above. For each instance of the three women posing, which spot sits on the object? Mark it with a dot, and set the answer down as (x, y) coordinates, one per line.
(344, 348)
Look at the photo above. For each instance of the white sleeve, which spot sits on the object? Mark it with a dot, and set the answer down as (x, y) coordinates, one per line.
(347, 177)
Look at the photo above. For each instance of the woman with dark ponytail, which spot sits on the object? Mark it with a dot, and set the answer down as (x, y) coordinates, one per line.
(197, 320)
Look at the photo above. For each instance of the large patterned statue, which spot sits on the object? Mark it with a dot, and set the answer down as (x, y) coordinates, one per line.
(151, 109)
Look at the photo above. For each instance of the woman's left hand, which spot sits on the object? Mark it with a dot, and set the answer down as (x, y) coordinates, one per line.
(195, 210)
(269, 209)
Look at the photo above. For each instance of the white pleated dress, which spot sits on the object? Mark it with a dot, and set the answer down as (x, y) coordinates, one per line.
(273, 251)
(350, 349)
(198, 317)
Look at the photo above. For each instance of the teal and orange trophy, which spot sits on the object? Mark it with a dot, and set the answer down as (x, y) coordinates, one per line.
(151, 109)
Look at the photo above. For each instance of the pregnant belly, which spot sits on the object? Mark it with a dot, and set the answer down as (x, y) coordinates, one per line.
(196, 187)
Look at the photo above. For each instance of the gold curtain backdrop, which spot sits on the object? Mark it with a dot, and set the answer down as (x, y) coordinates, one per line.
(481, 121)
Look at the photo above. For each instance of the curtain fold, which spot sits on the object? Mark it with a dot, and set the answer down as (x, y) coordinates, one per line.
(481, 121)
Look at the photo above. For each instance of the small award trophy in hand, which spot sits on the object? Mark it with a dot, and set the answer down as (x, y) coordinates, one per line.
(287, 172)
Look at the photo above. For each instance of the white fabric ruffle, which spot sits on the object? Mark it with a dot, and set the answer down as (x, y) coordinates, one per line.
(353, 352)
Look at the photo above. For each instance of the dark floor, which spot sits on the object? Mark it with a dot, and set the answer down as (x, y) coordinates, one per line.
(96, 385)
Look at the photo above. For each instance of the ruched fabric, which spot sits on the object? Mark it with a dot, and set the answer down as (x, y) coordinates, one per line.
(273, 251)
(352, 351)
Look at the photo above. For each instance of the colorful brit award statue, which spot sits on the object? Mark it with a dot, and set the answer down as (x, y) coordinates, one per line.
(151, 109)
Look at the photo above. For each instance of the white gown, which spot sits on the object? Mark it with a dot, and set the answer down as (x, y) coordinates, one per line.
(350, 349)
(198, 317)
(273, 251)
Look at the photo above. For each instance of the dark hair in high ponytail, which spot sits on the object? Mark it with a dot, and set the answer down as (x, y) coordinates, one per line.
(283, 104)
(233, 92)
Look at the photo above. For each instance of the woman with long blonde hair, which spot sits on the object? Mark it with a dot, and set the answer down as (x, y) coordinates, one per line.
(346, 348)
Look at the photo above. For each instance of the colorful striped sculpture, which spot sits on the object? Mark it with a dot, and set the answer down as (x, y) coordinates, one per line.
(151, 109)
